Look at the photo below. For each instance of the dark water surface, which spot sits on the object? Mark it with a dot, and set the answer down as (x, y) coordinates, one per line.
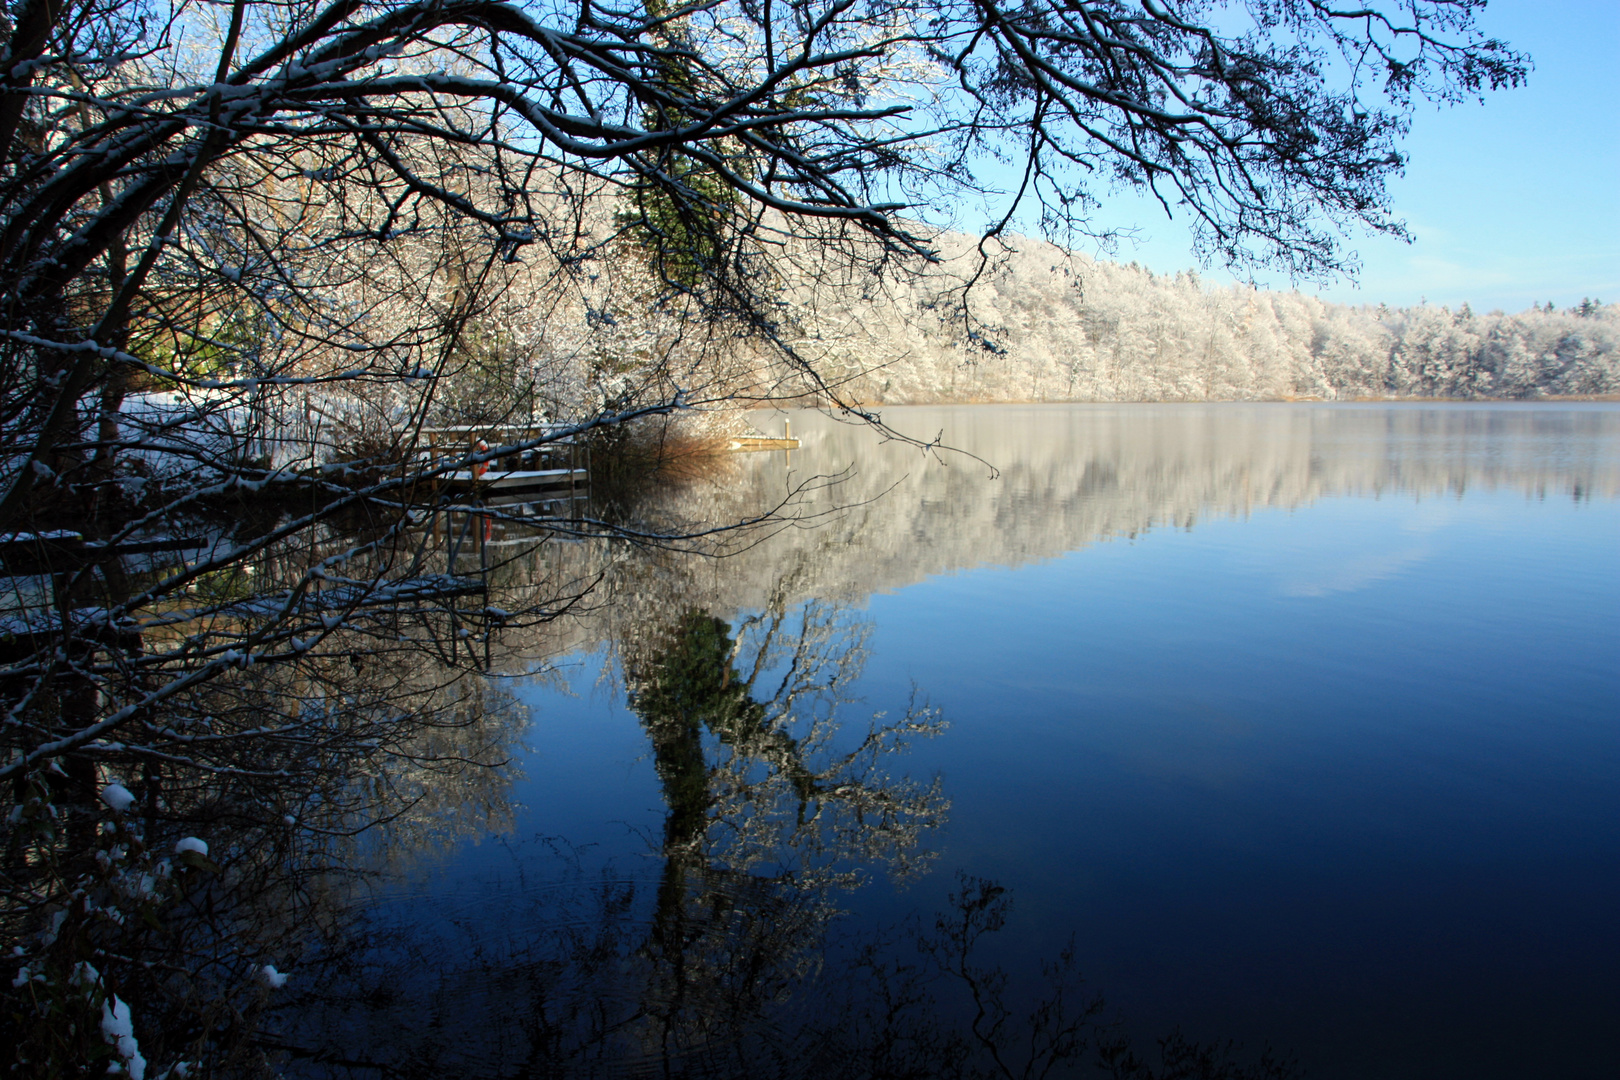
(1301, 721)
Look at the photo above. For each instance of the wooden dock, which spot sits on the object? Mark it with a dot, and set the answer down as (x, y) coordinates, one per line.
(750, 443)
(516, 482)
(560, 468)
(747, 444)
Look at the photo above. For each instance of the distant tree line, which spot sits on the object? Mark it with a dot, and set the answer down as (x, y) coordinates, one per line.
(1048, 325)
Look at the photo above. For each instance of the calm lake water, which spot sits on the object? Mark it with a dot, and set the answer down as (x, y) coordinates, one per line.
(1300, 722)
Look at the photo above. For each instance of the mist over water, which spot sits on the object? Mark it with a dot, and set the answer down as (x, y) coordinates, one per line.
(1301, 722)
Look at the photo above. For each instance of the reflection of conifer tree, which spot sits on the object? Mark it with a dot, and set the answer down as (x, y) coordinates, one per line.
(772, 783)
(751, 782)
(690, 687)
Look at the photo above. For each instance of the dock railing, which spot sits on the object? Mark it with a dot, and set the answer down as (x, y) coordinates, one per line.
(557, 464)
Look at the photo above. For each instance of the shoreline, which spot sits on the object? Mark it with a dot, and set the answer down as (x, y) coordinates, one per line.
(1548, 399)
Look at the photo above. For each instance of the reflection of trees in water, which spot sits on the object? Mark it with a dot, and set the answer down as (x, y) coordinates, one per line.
(729, 960)
(384, 718)
(771, 811)
(346, 719)
(766, 813)
(183, 937)
(361, 733)
(1073, 475)
(773, 780)
(726, 961)
(579, 992)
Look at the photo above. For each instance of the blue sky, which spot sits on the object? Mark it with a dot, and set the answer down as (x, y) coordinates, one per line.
(1510, 202)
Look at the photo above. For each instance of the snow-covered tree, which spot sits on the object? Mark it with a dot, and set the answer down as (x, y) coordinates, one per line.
(251, 252)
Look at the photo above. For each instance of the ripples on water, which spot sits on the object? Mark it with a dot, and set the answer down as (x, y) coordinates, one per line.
(1301, 722)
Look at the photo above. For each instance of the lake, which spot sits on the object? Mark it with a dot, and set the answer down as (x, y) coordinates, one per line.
(1297, 725)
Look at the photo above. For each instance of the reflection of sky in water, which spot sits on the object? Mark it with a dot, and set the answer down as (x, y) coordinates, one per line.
(1321, 577)
(1335, 764)
(1343, 776)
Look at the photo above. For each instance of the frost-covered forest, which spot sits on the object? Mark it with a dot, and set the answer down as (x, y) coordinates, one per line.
(1048, 325)
(281, 284)
(1037, 324)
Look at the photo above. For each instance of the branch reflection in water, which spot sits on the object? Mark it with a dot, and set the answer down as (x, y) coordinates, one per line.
(368, 747)
(733, 961)
(166, 873)
(770, 812)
